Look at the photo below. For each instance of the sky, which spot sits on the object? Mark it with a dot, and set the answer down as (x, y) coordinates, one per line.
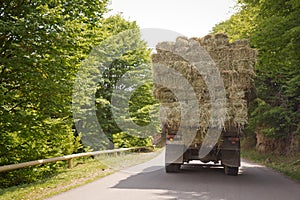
(191, 18)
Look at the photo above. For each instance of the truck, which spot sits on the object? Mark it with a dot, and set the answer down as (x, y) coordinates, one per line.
(234, 63)
(227, 152)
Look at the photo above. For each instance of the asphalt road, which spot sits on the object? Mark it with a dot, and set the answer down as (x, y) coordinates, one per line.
(149, 181)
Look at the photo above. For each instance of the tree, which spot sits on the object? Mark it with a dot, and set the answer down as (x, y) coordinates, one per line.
(273, 29)
(277, 40)
(42, 44)
(241, 24)
(134, 59)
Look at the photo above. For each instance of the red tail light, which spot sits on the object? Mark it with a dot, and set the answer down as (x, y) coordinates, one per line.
(170, 137)
(234, 140)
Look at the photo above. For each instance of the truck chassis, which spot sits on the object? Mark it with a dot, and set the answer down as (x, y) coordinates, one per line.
(227, 151)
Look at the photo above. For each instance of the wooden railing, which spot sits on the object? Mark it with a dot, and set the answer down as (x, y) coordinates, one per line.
(67, 157)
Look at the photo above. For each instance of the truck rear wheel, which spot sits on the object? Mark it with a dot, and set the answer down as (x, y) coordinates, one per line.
(171, 168)
(231, 171)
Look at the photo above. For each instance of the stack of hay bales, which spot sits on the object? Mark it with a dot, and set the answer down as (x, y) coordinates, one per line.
(233, 62)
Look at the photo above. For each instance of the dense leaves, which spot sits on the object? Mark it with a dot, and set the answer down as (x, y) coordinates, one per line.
(43, 44)
(41, 47)
(273, 28)
(124, 140)
(114, 67)
(125, 73)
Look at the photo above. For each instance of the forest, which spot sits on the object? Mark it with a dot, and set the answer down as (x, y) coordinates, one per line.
(273, 30)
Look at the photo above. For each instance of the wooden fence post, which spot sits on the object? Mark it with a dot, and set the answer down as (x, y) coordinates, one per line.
(70, 163)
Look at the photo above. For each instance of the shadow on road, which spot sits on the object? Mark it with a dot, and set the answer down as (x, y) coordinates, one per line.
(196, 182)
(193, 182)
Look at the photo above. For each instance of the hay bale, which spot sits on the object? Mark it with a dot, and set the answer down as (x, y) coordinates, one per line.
(235, 64)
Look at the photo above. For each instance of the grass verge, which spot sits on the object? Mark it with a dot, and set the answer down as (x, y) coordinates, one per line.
(83, 172)
(287, 165)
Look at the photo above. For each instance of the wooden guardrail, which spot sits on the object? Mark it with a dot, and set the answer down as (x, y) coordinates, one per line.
(61, 158)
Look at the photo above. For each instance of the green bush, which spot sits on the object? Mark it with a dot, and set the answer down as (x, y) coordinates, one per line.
(124, 140)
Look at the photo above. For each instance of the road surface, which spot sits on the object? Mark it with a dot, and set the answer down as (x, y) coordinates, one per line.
(148, 181)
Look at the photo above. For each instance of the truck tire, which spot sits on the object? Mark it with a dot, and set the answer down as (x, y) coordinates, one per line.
(171, 168)
(231, 171)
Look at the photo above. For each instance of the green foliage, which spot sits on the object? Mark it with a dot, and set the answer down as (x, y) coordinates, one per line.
(240, 25)
(124, 140)
(141, 103)
(277, 39)
(273, 29)
(116, 67)
(42, 44)
(271, 121)
(123, 73)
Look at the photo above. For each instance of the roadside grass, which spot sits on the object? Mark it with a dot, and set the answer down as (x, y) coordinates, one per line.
(287, 165)
(85, 170)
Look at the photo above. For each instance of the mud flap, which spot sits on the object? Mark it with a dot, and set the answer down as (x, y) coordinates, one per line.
(231, 158)
(174, 154)
(230, 151)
